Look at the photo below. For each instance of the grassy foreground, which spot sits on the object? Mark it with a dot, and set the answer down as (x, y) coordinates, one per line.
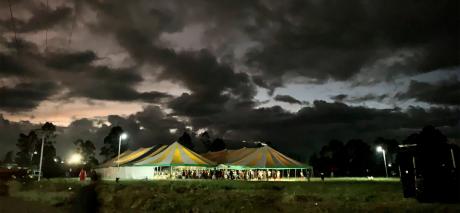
(334, 195)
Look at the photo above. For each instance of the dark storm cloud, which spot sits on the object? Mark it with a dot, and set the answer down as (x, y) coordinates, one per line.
(444, 92)
(10, 65)
(339, 97)
(41, 18)
(148, 127)
(71, 61)
(358, 99)
(318, 40)
(25, 96)
(337, 39)
(22, 58)
(212, 83)
(287, 98)
(104, 83)
(368, 97)
(76, 73)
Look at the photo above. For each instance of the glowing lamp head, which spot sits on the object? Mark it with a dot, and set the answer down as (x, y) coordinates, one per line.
(380, 149)
(123, 136)
(75, 159)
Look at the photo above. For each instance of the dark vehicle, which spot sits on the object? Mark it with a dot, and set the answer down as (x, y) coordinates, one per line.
(430, 173)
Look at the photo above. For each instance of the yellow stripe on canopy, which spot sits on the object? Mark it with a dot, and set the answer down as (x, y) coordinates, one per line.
(133, 155)
(267, 157)
(111, 162)
(228, 156)
(175, 155)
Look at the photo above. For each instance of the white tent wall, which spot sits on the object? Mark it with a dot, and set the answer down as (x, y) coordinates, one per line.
(128, 172)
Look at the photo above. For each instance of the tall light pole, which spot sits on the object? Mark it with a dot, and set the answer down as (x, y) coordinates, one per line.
(41, 158)
(123, 136)
(380, 149)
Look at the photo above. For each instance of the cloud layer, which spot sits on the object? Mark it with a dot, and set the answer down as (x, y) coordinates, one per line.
(225, 73)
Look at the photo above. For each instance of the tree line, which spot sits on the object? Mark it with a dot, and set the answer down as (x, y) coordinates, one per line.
(29, 148)
(358, 158)
(337, 158)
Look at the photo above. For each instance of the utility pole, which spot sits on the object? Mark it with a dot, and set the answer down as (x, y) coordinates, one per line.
(41, 158)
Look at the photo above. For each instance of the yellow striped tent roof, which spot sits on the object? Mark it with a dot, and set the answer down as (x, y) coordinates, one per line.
(218, 157)
(149, 155)
(129, 157)
(132, 156)
(111, 161)
(236, 155)
(267, 157)
(176, 155)
(228, 156)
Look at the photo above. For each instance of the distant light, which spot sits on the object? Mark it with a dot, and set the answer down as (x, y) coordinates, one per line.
(141, 128)
(56, 160)
(243, 141)
(62, 161)
(173, 131)
(389, 165)
(75, 159)
(379, 149)
(123, 136)
(35, 152)
(189, 128)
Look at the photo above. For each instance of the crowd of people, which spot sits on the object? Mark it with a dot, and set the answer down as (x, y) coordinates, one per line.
(232, 174)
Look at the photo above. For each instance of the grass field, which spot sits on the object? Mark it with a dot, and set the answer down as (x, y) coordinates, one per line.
(333, 195)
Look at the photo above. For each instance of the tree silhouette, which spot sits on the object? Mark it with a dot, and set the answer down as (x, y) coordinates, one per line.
(434, 165)
(50, 168)
(27, 145)
(186, 141)
(87, 150)
(217, 145)
(355, 158)
(8, 157)
(359, 158)
(110, 148)
(205, 139)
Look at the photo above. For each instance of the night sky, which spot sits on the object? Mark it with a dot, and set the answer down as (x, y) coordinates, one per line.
(295, 73)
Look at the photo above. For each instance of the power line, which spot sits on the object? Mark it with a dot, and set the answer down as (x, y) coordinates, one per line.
(73, 26)
(46, 31)
(13, 26)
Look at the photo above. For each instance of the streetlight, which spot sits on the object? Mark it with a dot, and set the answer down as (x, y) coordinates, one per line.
(123, 136)
(380, 149)
(74, 159)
